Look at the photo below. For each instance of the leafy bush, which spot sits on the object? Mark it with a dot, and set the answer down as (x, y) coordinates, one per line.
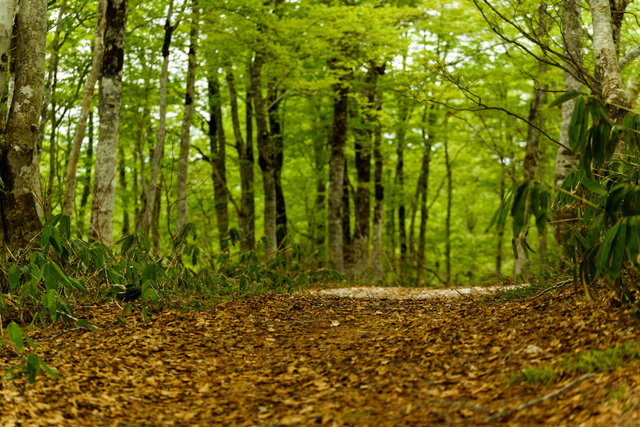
(604, 241)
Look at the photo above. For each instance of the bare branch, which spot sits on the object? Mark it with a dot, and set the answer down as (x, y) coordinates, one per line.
(629, 57)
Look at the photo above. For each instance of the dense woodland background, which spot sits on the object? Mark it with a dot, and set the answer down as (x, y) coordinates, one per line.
(438, 104)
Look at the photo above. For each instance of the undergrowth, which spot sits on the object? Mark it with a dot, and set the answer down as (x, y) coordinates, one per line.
(43, 285)
(570, 364)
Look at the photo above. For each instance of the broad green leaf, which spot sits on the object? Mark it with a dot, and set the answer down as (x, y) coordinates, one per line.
(14, 277)
(576, 124)
(52, 304)
(33, 367)
(48, 370)
(605, 253)
(15, 335)
(618, 251)
(567, 96)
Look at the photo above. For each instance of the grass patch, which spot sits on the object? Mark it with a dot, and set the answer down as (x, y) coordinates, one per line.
(570, 364)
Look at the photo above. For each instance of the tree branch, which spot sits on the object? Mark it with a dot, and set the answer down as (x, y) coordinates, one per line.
(629, 57)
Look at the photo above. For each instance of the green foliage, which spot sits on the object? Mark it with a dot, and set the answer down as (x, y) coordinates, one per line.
(570, 364)
(604, 243)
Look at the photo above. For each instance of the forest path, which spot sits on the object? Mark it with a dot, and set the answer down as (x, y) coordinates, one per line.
(329, 361)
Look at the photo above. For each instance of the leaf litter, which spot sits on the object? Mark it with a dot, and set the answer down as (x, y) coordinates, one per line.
(318, 359)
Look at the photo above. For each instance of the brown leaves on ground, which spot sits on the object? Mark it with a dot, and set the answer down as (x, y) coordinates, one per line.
(328, 361)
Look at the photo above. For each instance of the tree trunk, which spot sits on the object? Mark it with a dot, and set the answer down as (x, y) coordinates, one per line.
(566, 161)
(246, 216)
(275, 129)
(265, 158)
(48, 92)
(85, 108)
(12, 68)
(20, 223)
(500, 232)
(337, 172)
(376, 238)
(182, 215)
(123, 193)
(533, 142)
(218, 143)
(402, 228)
(52, 157)
(447, 227)
(104, 183)
(347, 240)
(362, 199)
(319, 213)
(159, 149)
(86, 191)
(423, 191)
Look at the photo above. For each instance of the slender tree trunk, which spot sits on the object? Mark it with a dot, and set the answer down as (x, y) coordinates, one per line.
(347, 240)
(275, 129)
(566, 161)
(155, 224)
(86, 191)
(19, 220)
(533, 146)
(246, 216)
(123, 194)
(48, 92)
(104, 183)
(337, 173)
(85, 108)
(376, 239)
(402, 228)
(319, 228)
(52, 156)
(422, 193)
(500, 233)
(159, 149)
(265, 158)
(182, 215)
(217, 141)
(447, 227)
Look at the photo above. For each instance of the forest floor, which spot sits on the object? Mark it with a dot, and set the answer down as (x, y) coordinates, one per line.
(328, 360)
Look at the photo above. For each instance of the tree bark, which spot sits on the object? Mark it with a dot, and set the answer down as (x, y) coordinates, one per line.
(423, 191)
(123, 194)
(533, 145)
(566, 161)
(182, 215)
(159, 149)
(7, 18)
(52, 157)
(85, 108)
(86, 191)
(104, 183)
(400, 138)
(606, 56)
(246, 216)
(447, 226)
(20, 222)
(376, 238)
(265, 156)
(362, 200)
(218, 143)
(275, 133)
(337, 171)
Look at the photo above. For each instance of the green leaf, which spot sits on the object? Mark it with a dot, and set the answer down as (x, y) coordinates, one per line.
(15, 335)
(567, 96)
(52, 304)
(48, 370)
(576, 124)
(604, 254)
(33, 367)
(45, 236)
(14, 277)
(618, 251)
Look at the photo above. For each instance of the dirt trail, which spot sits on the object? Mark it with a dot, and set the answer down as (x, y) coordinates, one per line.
(328, 361)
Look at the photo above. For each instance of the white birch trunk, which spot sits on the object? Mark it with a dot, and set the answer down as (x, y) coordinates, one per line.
(74, 155)
(104, 187)
(185, 139)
